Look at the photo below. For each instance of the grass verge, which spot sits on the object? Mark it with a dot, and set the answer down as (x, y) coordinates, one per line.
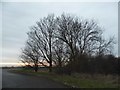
(78, 80)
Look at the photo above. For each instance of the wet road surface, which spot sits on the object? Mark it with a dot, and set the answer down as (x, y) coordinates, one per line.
(13, 80)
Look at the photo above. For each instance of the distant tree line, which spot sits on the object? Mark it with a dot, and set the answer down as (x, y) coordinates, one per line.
(67, 44)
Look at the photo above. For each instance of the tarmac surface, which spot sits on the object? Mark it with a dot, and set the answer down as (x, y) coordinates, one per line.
(15, 80)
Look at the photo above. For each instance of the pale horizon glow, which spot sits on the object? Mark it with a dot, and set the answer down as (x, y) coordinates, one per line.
(11, 64)
(18, 64)
(18, 17)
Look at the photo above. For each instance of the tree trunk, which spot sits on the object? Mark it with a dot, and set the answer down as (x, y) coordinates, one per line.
(50, 58)
(36, 67)
(50, 67)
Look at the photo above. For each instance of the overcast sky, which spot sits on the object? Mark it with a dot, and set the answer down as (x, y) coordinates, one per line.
(18, 17)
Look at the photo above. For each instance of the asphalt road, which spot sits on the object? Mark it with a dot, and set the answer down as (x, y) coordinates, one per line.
(13, 80)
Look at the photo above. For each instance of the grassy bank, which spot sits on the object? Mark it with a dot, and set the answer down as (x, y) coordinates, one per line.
(79, 80)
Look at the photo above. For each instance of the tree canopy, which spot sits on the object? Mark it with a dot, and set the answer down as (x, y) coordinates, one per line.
(63, 41)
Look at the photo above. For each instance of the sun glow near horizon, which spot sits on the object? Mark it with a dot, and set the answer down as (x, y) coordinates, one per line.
(3, 64)
(14, 64)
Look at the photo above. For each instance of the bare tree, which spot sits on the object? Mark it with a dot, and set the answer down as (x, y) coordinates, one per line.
(65, 31)
(42, 34)
(63, 39)
(31, 55)
(60, 55)
(105, 46)
(81, 36)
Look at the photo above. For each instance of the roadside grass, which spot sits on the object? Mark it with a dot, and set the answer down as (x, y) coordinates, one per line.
(77, 80)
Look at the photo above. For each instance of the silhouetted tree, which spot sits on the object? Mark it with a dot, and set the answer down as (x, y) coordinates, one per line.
(31, 55)
(69, 41)
(81, 36)
(105, 46)
(42, 35)
(60, 55)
